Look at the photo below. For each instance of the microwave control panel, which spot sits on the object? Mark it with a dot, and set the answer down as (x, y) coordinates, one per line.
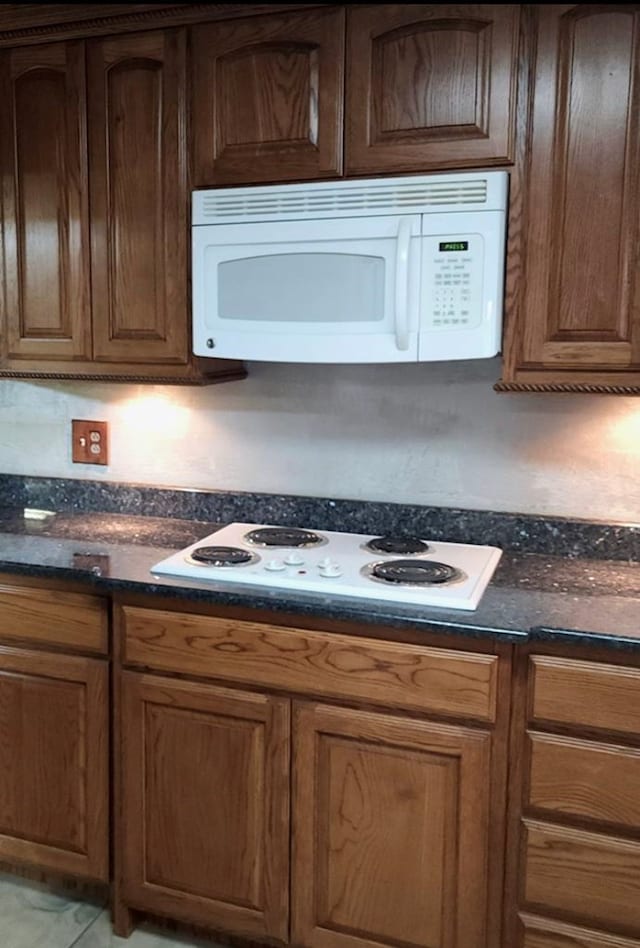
(452, 282)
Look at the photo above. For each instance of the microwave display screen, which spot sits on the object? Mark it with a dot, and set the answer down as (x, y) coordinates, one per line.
(454, 245)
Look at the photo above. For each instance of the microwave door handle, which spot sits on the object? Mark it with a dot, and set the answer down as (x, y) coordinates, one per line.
(402, 284)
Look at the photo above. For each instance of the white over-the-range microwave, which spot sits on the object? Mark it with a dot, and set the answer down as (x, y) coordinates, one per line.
(406, 269)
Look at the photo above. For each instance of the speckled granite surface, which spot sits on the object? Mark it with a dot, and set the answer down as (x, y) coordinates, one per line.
(531, 595)
(515, 532)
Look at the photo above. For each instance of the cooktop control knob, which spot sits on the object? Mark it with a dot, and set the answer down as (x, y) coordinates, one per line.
(329, 568)
(274, 566)
(294, 559)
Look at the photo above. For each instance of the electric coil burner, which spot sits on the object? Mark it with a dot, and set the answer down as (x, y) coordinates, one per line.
(403, 546)
(413, 572)
(283, 536)
(221, 556)
(393, 569)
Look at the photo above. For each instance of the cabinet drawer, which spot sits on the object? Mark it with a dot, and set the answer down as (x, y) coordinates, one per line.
(542, 933)
(52, 617)
(319, 663)
(585, 779)
(585, 694)
(593, 877)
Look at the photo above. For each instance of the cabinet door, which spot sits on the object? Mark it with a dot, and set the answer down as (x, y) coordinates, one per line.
(44, 203)
(430, 86)
(390, 820)
(139, 197)
(580, 311)
(54, 740)
(205, 804)
(267, 98)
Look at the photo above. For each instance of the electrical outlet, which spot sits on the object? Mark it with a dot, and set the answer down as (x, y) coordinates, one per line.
(89, 442)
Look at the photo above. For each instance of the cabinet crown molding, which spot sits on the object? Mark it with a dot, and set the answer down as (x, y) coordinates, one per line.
(34, 22)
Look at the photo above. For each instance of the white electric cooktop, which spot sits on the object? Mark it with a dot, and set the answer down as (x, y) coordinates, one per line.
(394, 568)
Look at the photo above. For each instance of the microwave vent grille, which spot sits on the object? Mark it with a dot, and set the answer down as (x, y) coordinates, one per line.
(289, 203)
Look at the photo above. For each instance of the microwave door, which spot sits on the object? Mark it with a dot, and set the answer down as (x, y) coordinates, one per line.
(308, 291)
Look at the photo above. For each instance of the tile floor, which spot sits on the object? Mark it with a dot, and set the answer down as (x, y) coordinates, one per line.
(35, 916)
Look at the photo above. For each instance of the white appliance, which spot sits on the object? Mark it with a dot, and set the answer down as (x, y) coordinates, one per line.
(385, 270)
(401, 569)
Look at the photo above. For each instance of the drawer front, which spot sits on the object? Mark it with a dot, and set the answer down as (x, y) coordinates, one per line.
(585, 779)
(593, 877)
(542, 933)
(585, 694)
(319, 663)
(52, 617)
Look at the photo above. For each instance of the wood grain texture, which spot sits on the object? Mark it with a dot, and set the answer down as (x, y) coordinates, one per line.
(139, 197)
(53, 617)
(580, 306)
(513, 284)
(196, 372)
(407, 676)
(54, 738)
(518, 772)
(205, 804)
(430, 86)
(122, 915)
(29, 23)
(43, 165)
(559, 686)
(544, 933)
(267, 98)
(589, 877)
(391, 842)
(585, 779)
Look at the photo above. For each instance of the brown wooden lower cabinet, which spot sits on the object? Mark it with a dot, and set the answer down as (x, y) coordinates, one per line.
(54, 739)
(390, 831)
(573, 876)
(389, 826)
(205, 785)
(308, 787)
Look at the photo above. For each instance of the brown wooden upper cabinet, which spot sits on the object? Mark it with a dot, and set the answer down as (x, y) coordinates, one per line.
(578, 326)
(43, 160)
(94, 181)
(138, 191)
(267, 98)
(430, 86)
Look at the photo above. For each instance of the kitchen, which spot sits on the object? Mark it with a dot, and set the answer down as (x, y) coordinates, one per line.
(365, 445)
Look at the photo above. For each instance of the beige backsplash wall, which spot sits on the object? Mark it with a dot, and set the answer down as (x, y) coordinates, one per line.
(428, 434)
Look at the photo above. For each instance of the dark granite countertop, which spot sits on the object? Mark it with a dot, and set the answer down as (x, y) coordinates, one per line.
(531, 595)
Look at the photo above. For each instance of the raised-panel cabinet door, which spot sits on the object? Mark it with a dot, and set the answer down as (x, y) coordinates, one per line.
(54, 746)
(205, 805)
(139, 198)
(390, 831)
(267, 98)
(580, 309)
(43, 163)
(430, 86)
